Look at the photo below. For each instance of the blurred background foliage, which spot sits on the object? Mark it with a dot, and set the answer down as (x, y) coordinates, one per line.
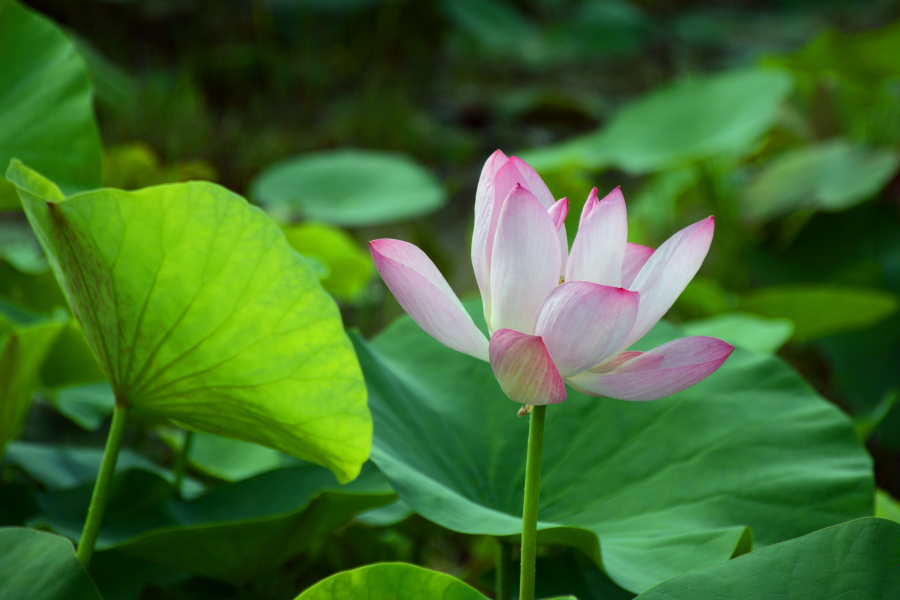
(351, 120)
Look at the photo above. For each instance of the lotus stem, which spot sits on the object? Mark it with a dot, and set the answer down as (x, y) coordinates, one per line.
(102, 485)
(530, 507)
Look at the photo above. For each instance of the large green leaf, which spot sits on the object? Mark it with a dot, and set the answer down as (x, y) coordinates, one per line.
(391, 581)
(41, 566)
(648, 490)
(46, 117)
(854, 560)
(199, 311)
(681, 123)
(830, 176)
(820, 310)
(22, 352)
(348, 187)
(235, 533)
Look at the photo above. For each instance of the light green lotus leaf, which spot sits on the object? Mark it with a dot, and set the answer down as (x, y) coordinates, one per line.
(41, 566)
(858, 559)
(391, 581)
(348, 187)
(198, 311)
(22, 352)
(749, 457)
(46, 115)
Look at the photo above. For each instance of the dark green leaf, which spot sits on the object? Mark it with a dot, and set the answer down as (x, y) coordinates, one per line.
(46, 117)
(860, 559)
(41, 566)
(649, 490)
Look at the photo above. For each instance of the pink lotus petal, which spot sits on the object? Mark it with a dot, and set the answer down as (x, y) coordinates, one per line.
(667, 272)
(559, 212)
(487, 210)
(615, 362)
(599, 248)
(525, 262)
(517, 171)
(636, 256)
(589, 205)
(584, 323)
(524, 368)
(660, 372)
(425, 295)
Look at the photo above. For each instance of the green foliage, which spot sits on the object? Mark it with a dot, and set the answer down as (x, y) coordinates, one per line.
(391, 581)
(41, 566)
(243, 344)
(681, 123)
(854, 560)
(22, 352)
(886, 507)
(830, 176)
(348, 268)
(750, 332)
(348, 187)
(820, 310)
(231, 460)
(133, 166)
(648, 490)
(46, 118)
(236, 533)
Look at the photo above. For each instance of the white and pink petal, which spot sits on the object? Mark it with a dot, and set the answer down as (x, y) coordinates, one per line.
(598, 251)
(524, 369)
(524, 264)
(636, 256)
(426, 296)
(667, 272)
(661, 372)
(585, 323)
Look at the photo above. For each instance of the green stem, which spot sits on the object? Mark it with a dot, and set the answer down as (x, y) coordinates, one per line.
(101, 486)
(181, 461)
(530, 507)
(503, 582)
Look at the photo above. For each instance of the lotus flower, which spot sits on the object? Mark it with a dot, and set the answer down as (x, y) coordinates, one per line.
(557, 319)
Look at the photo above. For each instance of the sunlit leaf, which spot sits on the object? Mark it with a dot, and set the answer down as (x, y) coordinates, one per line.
(684, 122)
(349, 267)
(348, 187)
(648, 490)
(22, 352)
(886, 507)
(391, 581)
(830, 176)
(820, 310)
(199, 312)
(236, 533)
(750, 332)
(46, 117)
(41, 566)
(854, 560)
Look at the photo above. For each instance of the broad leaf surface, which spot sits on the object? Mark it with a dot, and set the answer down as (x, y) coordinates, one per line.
(348, 187)
(859, 560)
(820, 310)
(41, 566)
(750, 332)
(647, 489)
(46, 116)
(391, 581)
(235, 533)
(199, 311)
(680, 123)
(22, 352)
(831, 176)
